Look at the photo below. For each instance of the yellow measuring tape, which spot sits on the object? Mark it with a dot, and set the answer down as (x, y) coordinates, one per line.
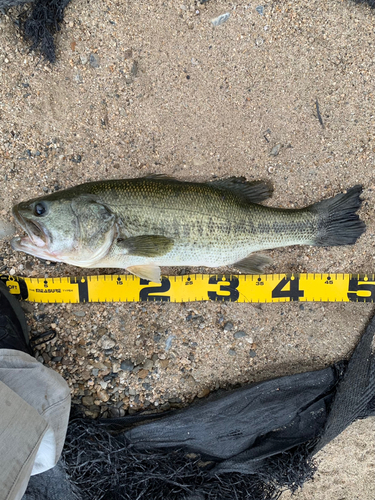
(312, 287)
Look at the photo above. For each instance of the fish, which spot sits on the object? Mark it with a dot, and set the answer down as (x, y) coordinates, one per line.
(144, 223)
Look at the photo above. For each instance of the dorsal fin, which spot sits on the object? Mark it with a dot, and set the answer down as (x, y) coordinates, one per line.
(254, 191)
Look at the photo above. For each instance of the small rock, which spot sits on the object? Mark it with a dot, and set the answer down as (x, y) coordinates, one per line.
(205, 392)
(116, 412)
(148, 364)
(217, 21)
(128, 54)
(143, 373)
(115, 367)
(81, 352)
(85, 375)
(101, 331)
(168, 342)
(240, 334)
(164, 363)
(228, 326)
(175, 400)
(134, 68)
(127, 365)
(260, 9)
(107, 343)
(87, 400)
(94, 61)
(92, 412)
(79, 313)
(252, 353)
(102, 395)
(78, 78)
(275, 150)
(95, 372)
(165, 406)
(45, 357)
(99, 365)
(83, 59)
(232, 352)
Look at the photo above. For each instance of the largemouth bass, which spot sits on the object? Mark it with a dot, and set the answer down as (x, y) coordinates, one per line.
(142, 224)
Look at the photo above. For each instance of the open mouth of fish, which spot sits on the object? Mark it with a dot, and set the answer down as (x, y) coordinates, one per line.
(36, 242)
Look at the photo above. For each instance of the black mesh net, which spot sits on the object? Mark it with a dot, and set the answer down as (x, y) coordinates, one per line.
(39, 21)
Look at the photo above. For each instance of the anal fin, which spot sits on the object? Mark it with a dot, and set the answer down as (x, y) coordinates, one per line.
(149, 272)
(253, 264)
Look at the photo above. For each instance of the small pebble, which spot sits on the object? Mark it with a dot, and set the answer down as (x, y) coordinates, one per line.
(107, 343)
(80, 314)
(127, 365)
(217, 21)
(143, 373)
(148, 364)
(275, 150)
(87, 400)
(239, 334)
(232, 352)
(205, 392)
(117, 412)
(252, 353)
(168, 342)
(94, 61)
(102, 395)
(228, 326)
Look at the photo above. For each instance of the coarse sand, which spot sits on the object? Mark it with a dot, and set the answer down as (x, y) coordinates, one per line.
(152, 87)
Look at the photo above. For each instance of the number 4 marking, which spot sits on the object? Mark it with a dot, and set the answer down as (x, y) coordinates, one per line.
(294, 293)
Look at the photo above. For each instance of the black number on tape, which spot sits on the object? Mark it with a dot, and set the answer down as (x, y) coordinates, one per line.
(294, 293)
(357, 285)
(231, 288)
(144, 294)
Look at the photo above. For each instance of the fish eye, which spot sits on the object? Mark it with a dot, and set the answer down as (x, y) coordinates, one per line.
(40, 209)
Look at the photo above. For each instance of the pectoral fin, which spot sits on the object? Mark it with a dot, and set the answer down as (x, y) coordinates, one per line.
(253, 264)
(149, 272)
(146, 245)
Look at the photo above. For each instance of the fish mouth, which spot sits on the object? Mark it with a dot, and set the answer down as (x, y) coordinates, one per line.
(36, 242)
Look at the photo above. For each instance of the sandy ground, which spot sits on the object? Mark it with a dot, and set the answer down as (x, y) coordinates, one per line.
(151, 87)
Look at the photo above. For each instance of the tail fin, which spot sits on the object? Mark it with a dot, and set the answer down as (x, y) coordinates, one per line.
(338, 223)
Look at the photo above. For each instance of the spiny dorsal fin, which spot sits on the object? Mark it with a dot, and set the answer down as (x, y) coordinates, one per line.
(147, 245)
(253, 264)
(255, 191)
